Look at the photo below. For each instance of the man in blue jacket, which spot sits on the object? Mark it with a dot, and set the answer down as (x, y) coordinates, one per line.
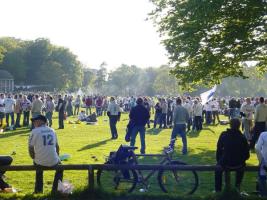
(139, 116)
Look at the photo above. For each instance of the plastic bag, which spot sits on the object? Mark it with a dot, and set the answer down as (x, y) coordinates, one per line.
(65, 187)
(64, 157)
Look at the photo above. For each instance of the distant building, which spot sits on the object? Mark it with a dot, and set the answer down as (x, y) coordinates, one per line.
(6, 81)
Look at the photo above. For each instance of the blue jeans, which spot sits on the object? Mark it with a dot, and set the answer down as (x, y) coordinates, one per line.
(157, 119)
(142, 131)
(163, 120)
(181, 130)
(112, 124)
(49, 115)
(262, 179)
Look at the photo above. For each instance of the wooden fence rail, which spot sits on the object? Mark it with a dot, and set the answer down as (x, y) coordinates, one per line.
(92, 167)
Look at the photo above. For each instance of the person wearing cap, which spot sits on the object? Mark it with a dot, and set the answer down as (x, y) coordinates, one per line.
(44, 150)
(114, 114)
(139, 116)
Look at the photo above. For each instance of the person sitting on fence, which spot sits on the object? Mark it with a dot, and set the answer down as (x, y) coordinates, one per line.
(232, 153)
(44, 150)
(4, 161)
(261, 150)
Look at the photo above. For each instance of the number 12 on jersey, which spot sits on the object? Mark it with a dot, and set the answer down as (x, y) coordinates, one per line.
(48, 140)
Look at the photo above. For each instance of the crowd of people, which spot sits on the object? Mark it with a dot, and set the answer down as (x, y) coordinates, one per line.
(181, 114)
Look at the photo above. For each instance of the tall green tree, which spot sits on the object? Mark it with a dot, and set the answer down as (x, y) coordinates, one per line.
(101, 78)
(208, 40)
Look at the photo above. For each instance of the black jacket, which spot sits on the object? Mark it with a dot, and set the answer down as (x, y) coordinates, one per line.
(232, 148)
(139, 115)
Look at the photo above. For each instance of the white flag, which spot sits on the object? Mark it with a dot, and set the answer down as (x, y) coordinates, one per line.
(207, 96)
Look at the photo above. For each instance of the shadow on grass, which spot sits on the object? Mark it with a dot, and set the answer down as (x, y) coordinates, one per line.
(100, 195)
(193, 134)
(208, 129)
(14, 132)
(90, 146)
(154, 131)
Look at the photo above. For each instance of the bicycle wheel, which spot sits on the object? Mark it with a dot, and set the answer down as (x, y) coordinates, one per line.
(121, 181)
(175, 181)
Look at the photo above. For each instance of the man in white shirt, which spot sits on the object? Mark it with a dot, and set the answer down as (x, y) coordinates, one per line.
(189, 108)
(197, 115)
(247, 110)
(261, 150)
(113, 113)
(9, 104)
(44, 150)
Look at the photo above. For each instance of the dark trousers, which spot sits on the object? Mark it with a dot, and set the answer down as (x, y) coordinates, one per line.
(12, 118)
(198, 123)
(208, 117)
(26, 118)
(61, 120)
(169, 118)
(112, 123)
(239, 174)
(163, 120)
(39, 180)
(258, 129)
(4, 161)
(76, 109)
(18, 119)
(157, 119)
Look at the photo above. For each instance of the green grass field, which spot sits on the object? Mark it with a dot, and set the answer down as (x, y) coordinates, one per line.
(83, 142)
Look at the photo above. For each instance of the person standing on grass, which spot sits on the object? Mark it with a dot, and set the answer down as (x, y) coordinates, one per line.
(139, 117)
(197, 115)
(37, 106)
(61, 111)
(2, 109)
(260, 120)
(77, 105)
(26, 107)
(114, 114)
(18, 110)
(247, 110)
(261, 151)
(163, 120)
(158, 112)
(180, 118)
(9, 104)
(147, 106)
(232, 153)
(44, 150)
(49, 109)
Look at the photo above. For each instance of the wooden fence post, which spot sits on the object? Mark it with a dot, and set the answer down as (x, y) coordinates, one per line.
(91, 178)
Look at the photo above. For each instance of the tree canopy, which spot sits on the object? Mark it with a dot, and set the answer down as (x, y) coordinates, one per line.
(39, 62)
(209, 40)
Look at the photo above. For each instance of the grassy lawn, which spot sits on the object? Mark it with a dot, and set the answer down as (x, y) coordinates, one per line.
(91, 144)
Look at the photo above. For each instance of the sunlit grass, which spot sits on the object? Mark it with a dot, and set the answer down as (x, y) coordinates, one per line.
(89, 144)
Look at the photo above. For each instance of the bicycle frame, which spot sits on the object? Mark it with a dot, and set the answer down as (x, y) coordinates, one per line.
(167, 158)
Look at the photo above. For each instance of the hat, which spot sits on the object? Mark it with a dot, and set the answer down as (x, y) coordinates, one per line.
(139, 101)
(39, 117)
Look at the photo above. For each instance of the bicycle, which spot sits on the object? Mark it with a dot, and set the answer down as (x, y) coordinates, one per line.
(183, 182)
